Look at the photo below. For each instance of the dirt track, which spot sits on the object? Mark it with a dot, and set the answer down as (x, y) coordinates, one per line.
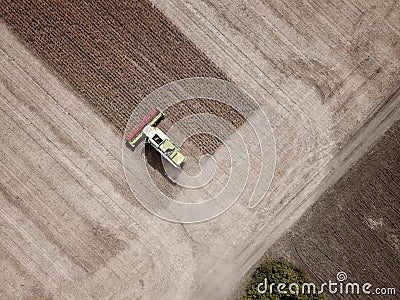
(78, 185)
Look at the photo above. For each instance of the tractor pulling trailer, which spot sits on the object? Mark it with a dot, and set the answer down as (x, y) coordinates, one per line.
(148, 131)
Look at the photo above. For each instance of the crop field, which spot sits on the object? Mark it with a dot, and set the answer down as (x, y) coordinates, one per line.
(71, 72)
(354, 226)
(114, 58)
(327, 74)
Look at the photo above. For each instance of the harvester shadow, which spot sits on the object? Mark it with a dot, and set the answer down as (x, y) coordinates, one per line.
(154, 160)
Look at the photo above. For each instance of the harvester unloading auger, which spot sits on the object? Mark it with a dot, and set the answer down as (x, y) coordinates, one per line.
(148, 132)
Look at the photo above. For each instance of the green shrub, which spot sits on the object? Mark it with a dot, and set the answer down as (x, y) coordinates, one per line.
(278, 271)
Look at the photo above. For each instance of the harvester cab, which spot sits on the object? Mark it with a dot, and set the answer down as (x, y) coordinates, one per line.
(148, 132)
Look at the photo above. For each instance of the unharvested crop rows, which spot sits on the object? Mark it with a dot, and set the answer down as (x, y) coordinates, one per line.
(115, 54)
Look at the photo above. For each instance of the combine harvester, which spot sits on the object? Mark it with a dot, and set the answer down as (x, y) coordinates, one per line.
(148, 132)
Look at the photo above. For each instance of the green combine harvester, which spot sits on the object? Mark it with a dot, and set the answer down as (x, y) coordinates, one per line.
(148, 132)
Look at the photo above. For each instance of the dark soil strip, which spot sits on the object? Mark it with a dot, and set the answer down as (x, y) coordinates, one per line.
(355, 226)
(114, 53)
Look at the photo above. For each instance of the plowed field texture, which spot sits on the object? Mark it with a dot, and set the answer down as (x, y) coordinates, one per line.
(355, 226)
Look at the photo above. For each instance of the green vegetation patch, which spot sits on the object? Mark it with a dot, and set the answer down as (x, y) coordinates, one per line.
(280, 279)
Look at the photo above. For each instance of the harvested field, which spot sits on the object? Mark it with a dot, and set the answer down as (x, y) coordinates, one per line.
(326, 74)
(70, 227)
(323, 71)
(355, 225)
